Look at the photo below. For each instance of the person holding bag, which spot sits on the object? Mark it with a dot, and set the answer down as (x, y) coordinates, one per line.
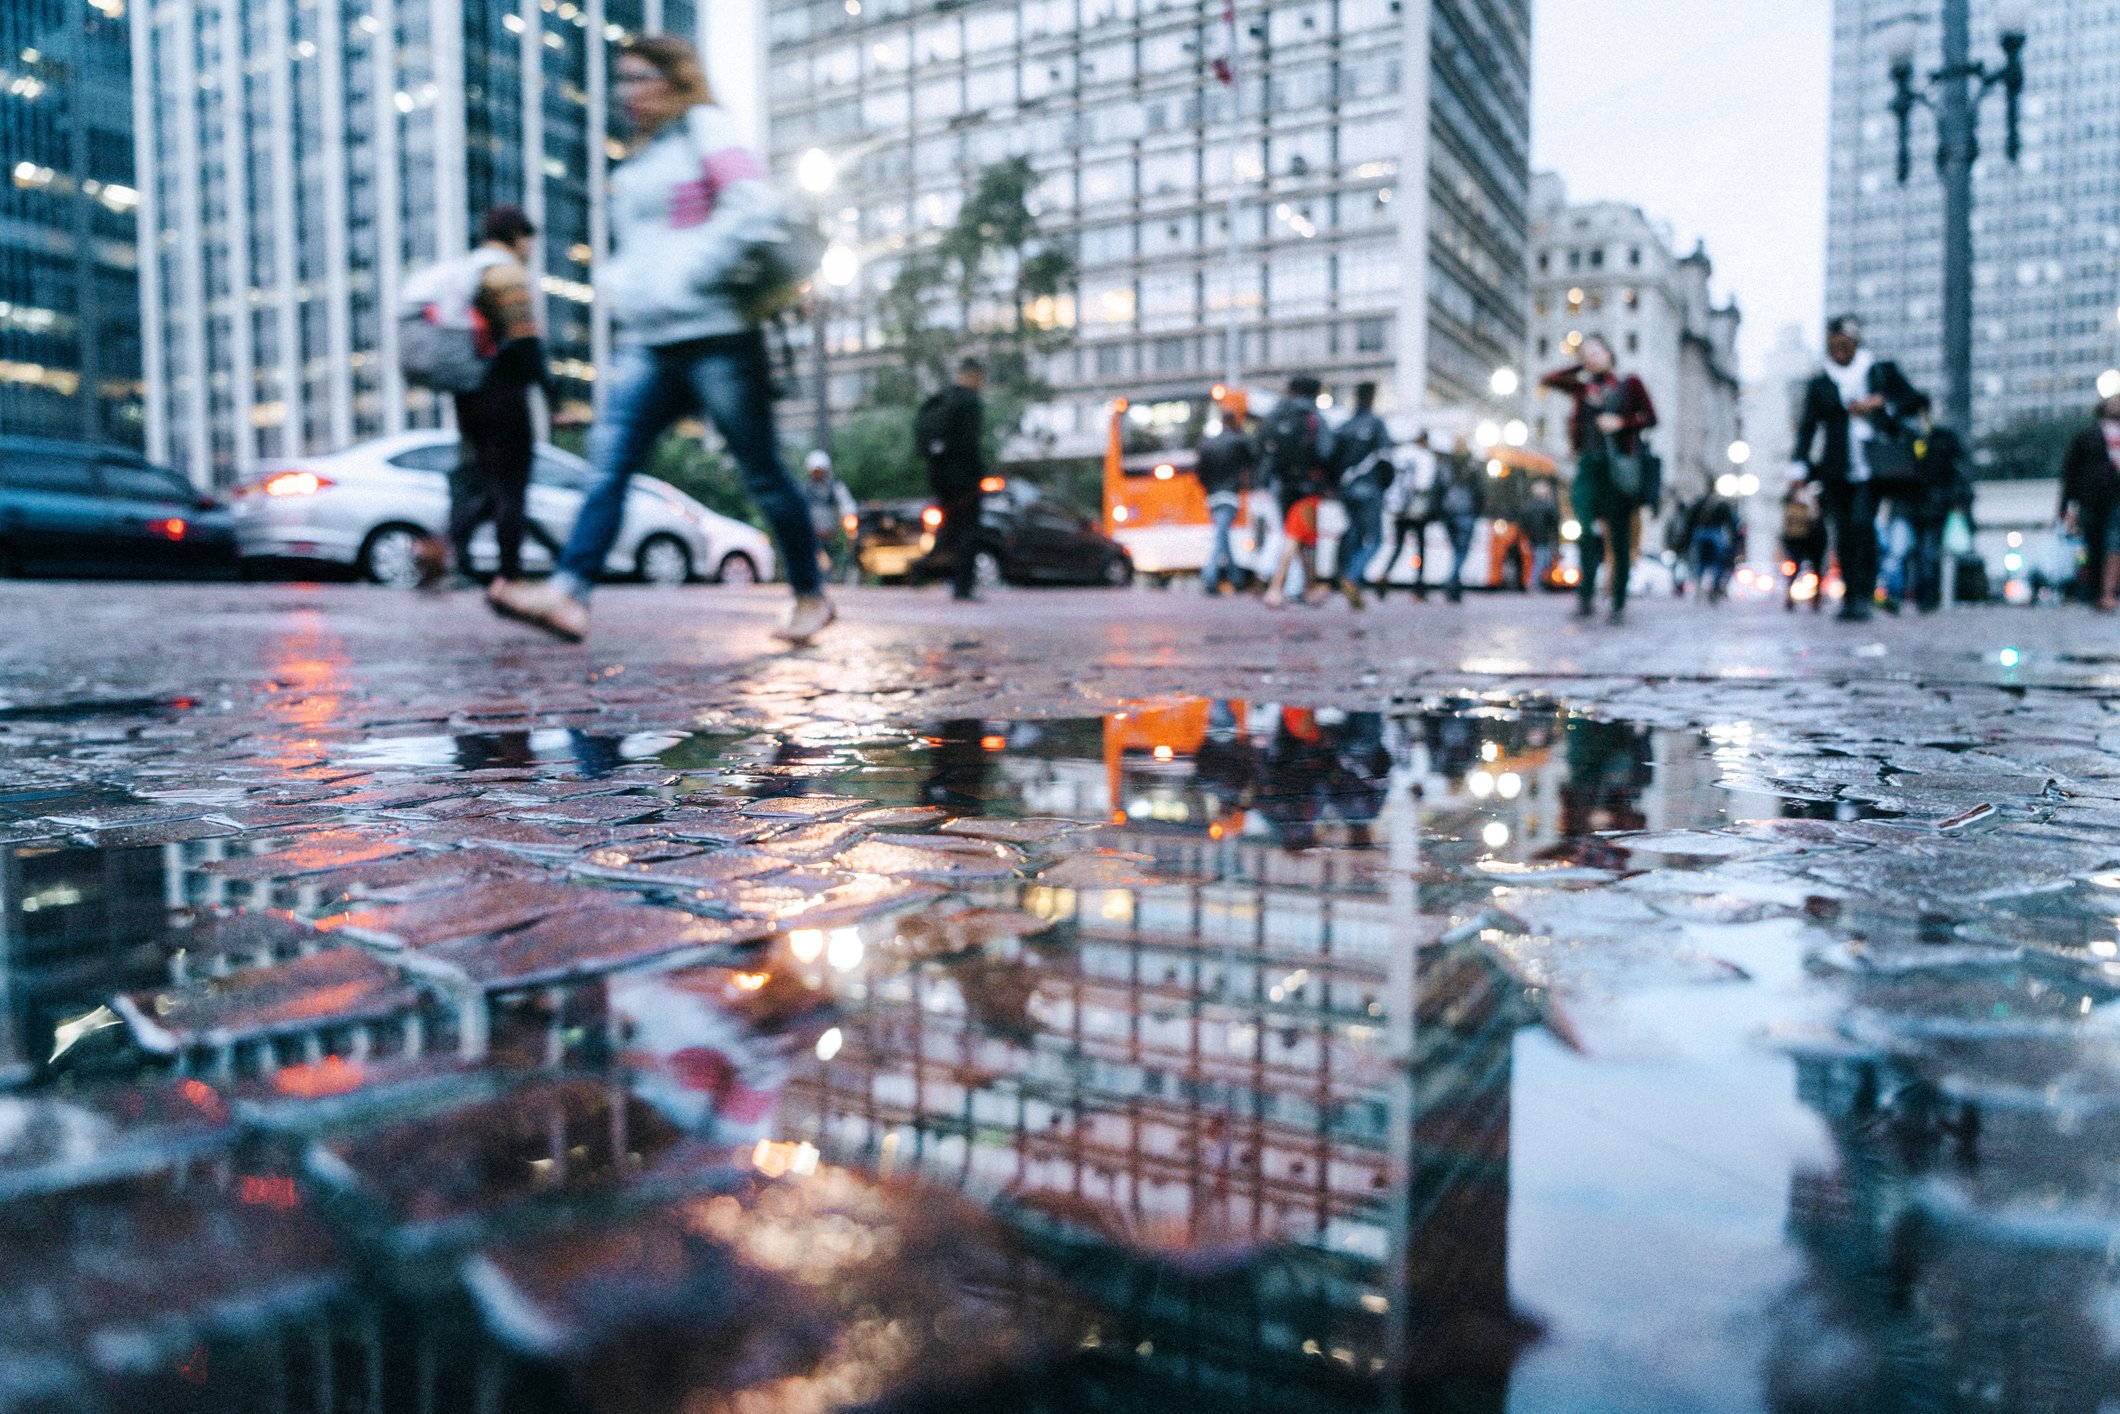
(1853, 440)
(704, 249)
(1614, 470)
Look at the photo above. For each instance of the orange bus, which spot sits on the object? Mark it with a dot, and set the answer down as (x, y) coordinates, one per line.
(1154, 504)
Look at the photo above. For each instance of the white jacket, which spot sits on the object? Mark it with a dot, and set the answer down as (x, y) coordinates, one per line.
(685, 210)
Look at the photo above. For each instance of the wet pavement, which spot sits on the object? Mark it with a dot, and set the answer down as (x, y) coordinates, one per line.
(1085, 1001)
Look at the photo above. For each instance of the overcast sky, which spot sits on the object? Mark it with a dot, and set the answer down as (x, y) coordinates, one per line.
(1707, 114)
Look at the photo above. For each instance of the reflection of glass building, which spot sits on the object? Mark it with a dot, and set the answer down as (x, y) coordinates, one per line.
(69, 301)
(1371, 245)
(294, 169)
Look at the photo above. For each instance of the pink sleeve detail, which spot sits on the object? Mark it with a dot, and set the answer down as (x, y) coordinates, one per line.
(731, 165)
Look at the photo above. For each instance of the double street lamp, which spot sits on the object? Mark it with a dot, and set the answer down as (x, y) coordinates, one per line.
(1954, 93)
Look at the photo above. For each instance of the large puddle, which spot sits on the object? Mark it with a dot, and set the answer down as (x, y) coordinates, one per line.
(1487, 1055)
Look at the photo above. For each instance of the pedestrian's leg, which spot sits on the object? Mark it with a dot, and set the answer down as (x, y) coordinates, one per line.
(1461, 528)
(510, 445)
(960, 525)
(1591, 548)
(648, 393)
(2109, 590)
(1622, 530)
(1221, 554)
(734, 383)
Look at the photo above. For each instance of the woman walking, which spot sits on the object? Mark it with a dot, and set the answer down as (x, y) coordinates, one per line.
(687, 208)
(2090, 495)
(1611, 414)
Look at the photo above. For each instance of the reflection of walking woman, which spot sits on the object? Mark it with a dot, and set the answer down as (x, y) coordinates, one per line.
(685, 208)
(1611, 414)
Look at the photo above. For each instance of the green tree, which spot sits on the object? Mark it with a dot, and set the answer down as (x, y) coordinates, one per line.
(991, 286)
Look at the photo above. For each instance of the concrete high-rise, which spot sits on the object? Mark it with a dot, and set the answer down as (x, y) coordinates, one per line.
(1380, 158)
(2046, 230)
(69, 306)
(295, 162)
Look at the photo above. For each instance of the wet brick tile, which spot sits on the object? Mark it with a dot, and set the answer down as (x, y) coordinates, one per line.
(337, 987)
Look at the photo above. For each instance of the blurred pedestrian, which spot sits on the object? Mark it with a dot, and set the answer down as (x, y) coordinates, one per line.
(1361, 452)
(832, 511)
(1712, 546)
(951, 429)
(498, 436)
(1226, 461)
(687, 207)
(1461, 497)
(2090, 494)
(1803, 542)
(1851, 436)
(1295, 449)
(1605, 429)
(1542, 527)
(1410, 502)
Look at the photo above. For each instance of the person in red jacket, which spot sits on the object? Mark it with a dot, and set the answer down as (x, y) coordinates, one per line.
(1611, 414)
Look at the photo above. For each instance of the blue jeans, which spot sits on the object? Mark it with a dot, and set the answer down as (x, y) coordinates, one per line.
(1460, 529)
(729, 379)
(1365, 532)
(1711, 560)
(1222, 559)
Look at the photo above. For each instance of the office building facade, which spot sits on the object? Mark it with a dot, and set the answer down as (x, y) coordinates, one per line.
(293, 170)
(1605, 268)
(69, 306)
(2046, 230)
(1376, 151)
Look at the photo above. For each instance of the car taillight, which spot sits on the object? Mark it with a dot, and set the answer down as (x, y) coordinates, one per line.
(850, 524)
(293, 483)
(932, 517)
(170, 529)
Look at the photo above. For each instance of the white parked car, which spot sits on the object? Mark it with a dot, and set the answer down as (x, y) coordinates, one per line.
(368, 506)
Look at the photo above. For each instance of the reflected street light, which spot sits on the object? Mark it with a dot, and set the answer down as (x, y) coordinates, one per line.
(1505, 382)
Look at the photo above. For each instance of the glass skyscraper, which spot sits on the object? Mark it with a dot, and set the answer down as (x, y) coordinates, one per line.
(69, 304)
(1379, 152)
(298, 157)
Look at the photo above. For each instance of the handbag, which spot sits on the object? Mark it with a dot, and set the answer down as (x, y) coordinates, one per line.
(1637, 475)
(1957, 534)
(783, 250)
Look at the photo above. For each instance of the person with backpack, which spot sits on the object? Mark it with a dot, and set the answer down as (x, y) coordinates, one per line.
(2090, 497)
(1460, 500)
(1295, 448)
(483, 304)
(1224, 463)
(950, 433)
(1853, 438)
(702, 242)
(1803, 542)
(1612, 473)
(1411, 503)
(1361, 463)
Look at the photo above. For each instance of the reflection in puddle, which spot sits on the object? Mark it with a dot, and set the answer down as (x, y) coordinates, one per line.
(1315, 1059)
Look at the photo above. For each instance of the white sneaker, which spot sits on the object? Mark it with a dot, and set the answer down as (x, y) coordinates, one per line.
(809, 616)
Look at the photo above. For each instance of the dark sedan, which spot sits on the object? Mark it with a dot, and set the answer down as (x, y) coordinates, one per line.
(77, 508)
(1025, 537)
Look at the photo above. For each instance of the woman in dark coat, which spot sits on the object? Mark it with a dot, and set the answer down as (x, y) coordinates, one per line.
(1611, 414)
(2090, 491)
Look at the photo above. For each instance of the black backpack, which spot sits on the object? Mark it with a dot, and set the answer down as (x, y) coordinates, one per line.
(1291, 442)
(931, 428)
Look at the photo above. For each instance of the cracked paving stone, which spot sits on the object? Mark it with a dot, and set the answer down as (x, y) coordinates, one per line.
(585, 942)
(473, 912)
(314, 854)
(336, 987)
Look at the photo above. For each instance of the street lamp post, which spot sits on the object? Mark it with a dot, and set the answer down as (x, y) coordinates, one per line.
(1957, 148)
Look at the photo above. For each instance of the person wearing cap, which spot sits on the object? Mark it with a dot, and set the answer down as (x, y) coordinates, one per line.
(831, 509)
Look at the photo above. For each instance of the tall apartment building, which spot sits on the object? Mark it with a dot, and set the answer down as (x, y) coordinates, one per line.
(2046, 232)
(69, 306)
(296, 162)
(1379, 151)
(1604, 267)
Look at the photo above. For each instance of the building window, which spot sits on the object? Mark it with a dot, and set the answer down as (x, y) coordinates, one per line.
(1597, 259)
(1634, 256)
(1545, 261)
(1634, 343)
(1575, 300)
(1631, 297)
(1369, 336)
(1575, 260)
(1172, 355)
(1544, 345)
(1110, 359)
